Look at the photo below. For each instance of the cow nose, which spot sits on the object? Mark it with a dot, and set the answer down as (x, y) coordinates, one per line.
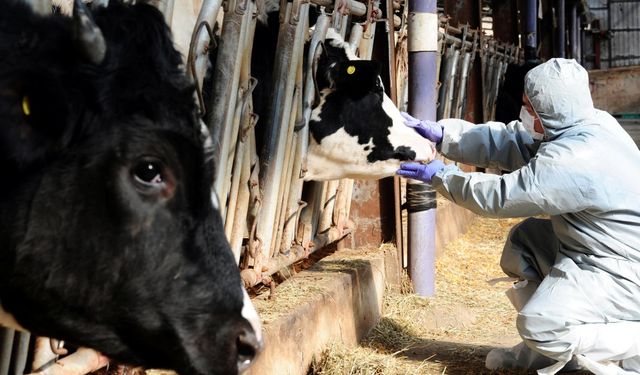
(249, 346)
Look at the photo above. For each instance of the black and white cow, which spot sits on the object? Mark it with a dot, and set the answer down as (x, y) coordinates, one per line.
(108, 235)
(356, 131)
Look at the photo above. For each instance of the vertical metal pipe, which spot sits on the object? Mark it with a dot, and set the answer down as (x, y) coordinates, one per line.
(229, 126)
(423, 52)
(225, 83)
(319, 34)
(6, 347)
(560, 32)
(21, 353)
(530, 30)
(272, 154)
(573, 29)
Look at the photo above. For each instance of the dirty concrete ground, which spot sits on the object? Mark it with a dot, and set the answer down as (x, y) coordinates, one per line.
(449, 333)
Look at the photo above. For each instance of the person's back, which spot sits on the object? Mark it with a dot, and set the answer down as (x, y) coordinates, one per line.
(579, 272)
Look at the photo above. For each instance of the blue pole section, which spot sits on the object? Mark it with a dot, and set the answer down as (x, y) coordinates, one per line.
(530, 30)
(561, 17)
(423, 52)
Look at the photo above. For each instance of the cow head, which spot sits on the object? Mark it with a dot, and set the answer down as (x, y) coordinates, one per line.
(356, 131)
(108, 235)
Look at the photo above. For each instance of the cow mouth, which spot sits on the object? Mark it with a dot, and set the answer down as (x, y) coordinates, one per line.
(248, 346)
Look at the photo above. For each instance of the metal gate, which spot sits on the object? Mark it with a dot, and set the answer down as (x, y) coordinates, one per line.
(616, 33)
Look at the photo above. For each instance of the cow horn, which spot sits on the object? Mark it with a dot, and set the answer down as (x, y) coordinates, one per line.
(88, 35)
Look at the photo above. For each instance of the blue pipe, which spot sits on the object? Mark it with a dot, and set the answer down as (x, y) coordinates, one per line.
(530, 30)
(560, 33)
(422, 104)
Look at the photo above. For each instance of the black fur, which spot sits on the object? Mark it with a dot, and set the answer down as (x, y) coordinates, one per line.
(509, 99)
(86, 254)
(355, 104)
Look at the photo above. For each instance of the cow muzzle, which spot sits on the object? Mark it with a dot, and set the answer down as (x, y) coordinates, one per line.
(250, 342)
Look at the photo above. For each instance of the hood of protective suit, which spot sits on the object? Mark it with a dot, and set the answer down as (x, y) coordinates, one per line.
(559, 93)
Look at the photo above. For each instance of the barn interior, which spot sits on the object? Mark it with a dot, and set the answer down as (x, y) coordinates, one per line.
(326, 261)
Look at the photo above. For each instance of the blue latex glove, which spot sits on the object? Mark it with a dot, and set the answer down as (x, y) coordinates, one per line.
(419, 171)
(427, 129)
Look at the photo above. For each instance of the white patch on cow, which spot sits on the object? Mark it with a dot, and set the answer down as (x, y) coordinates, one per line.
(315, 114)
(335, 40)
(7, 320)
(340, 155)
(402, 135)
(249, 312)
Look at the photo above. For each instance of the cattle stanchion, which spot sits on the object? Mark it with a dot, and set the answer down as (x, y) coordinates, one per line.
(225, 84)
(272, 155)
(294, 218)
(240, 119)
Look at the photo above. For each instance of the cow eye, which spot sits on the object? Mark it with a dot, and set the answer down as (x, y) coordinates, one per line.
(149, 174)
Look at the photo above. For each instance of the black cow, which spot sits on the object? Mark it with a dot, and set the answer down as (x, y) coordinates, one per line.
(108, 235)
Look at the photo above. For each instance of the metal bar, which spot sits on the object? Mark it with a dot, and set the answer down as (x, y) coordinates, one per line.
(272, 154)
(293, 198)
(355, 7)
(530, 30)
(445, 72)
(451, 86)
(6, 347)
(560, 32)
(21, 353)
(422, 104)
(201, 38)
(239, 84)
(573, 29)
(225, 83)
(610, 40)
(328, 204)
(462, 89)
(246, 85)
(239, 223)
(319, 33)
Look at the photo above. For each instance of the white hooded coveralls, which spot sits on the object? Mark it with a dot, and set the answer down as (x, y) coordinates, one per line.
(582, 265)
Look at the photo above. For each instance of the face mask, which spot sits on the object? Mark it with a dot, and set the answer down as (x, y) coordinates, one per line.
(527, 122)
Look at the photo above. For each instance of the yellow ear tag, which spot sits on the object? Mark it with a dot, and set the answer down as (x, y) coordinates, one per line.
(351, 69)
(25, 106)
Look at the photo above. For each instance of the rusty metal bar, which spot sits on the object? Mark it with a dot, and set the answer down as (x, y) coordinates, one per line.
(289, 47)
(225, 84)
(201, 39)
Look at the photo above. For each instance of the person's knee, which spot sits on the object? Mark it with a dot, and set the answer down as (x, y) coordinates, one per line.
(538, 326)
(544, 335)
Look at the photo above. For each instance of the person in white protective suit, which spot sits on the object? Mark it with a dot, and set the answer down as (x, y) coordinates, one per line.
(579, 291)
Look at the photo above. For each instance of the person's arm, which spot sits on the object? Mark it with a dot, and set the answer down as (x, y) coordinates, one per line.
(543, 186)
(491, 145)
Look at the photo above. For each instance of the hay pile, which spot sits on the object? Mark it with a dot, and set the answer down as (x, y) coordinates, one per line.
(446, 334)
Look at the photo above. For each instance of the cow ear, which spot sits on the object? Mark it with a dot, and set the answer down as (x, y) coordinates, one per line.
(356, 77)
(35, 122)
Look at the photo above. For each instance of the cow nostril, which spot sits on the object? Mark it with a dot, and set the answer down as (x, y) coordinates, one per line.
(248, 347)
